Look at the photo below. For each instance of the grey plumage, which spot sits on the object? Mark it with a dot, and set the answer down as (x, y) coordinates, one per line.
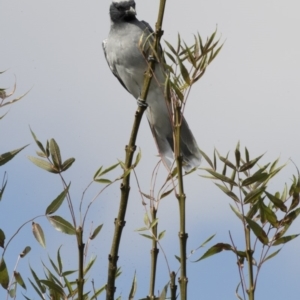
(126, 50)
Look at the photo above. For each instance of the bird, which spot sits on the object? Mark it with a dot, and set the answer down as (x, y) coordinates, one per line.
(126, 50)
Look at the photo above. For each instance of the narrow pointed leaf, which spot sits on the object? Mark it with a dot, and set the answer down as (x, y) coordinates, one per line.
(147, 236)
(36, 289)
(253, 195)
(250, 164)
(55, 153)
(2, 238)
(220, 176)
(57, 202)
(285, 239)
(38, 234)
(161, 235)
(89, 265)
(238, 214)
(96, 231)
(61, 224)
(40, 145)
(4, 278)
(255, 178)
(271, 255)
(214, 250)
(163, 295)
(59, 261)
(277, 202)
(258, 231)
(108, 169)
(19, 280)
(67, 164)
(55, 287)
(43, 164)
(228, 192)
(133, 288)
(5, 157)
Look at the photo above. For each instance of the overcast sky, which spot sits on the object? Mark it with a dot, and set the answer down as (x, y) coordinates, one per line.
(249, 94)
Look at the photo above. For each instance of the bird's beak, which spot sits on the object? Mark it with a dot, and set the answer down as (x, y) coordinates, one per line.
(131, 11)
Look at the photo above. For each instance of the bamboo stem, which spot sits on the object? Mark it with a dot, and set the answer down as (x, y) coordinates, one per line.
(183, 280)
(130, 148)
(80, 280)
(249, 253)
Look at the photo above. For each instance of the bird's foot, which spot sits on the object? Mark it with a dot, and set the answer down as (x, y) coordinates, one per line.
(141, 102)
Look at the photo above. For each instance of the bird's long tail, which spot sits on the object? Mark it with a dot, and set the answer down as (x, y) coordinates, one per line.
(165, 144)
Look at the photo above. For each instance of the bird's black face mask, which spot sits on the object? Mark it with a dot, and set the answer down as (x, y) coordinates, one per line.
(124, 10)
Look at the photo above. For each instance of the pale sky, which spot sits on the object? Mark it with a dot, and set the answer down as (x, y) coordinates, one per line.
(249, 94)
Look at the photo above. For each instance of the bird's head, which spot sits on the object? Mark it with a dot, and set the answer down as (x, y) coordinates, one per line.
(122, 10)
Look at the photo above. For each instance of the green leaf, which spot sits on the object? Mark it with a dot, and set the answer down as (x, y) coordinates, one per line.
(178, 258)
(38, 234)
(55, 287)
(271, 255)
(255, 178)
(253, 195)
(253, 210)
(37, 280)
(40, 145)
(107, 169)
(228, 192)
(55, 153)
(5, 157)
(161, 235)
(36, 289)
(171, 47)
(238, 214)
(67, 164)
(220, 176)
(137, 159)
(269, 214)
(258, 231)
(147, 236)
(214, 250)
(4, 183)
(19, 279)
(4, 278)
(284, 239)
(43, 164)
(165, 194)
(57, 202)
(2, 238)
(206, 241)
(133, 288)
(89, 265)
(61, 224)
(207, 158)
(25, 251)
(59, 261)
(237, 155)
(153, 223)
(98, 292)
(96, 231)
(184, 72)
(276, 201)
(226, 161)
(103, 180)
(250, 164)
(163, 295)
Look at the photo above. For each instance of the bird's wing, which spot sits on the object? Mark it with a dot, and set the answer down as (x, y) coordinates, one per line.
(112, 68)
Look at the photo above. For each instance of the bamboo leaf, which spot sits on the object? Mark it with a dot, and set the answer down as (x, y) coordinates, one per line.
(133, 288)
(61, 224)
(43, 164)
(55, 154)
(161, 235)
(55, 287)
(89, 265)
(220, 176)
(207, 158)
(147, 236)
(238, 214)
(284, 239)
(228, 192)
(277, 202)
(39, 234)
(271, 255)
(253, 195)
(5, 157)
(4, 278)
(255, 178)
(96, 231)
(250, 164)
(258, 231)
(214, 250)
(163, 295)
(59, 261)
(67, 164)
(57, 202)
(19, 280)
(107, 169)
(2, 238)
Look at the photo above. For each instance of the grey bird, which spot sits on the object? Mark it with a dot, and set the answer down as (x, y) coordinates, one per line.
(126, 50)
